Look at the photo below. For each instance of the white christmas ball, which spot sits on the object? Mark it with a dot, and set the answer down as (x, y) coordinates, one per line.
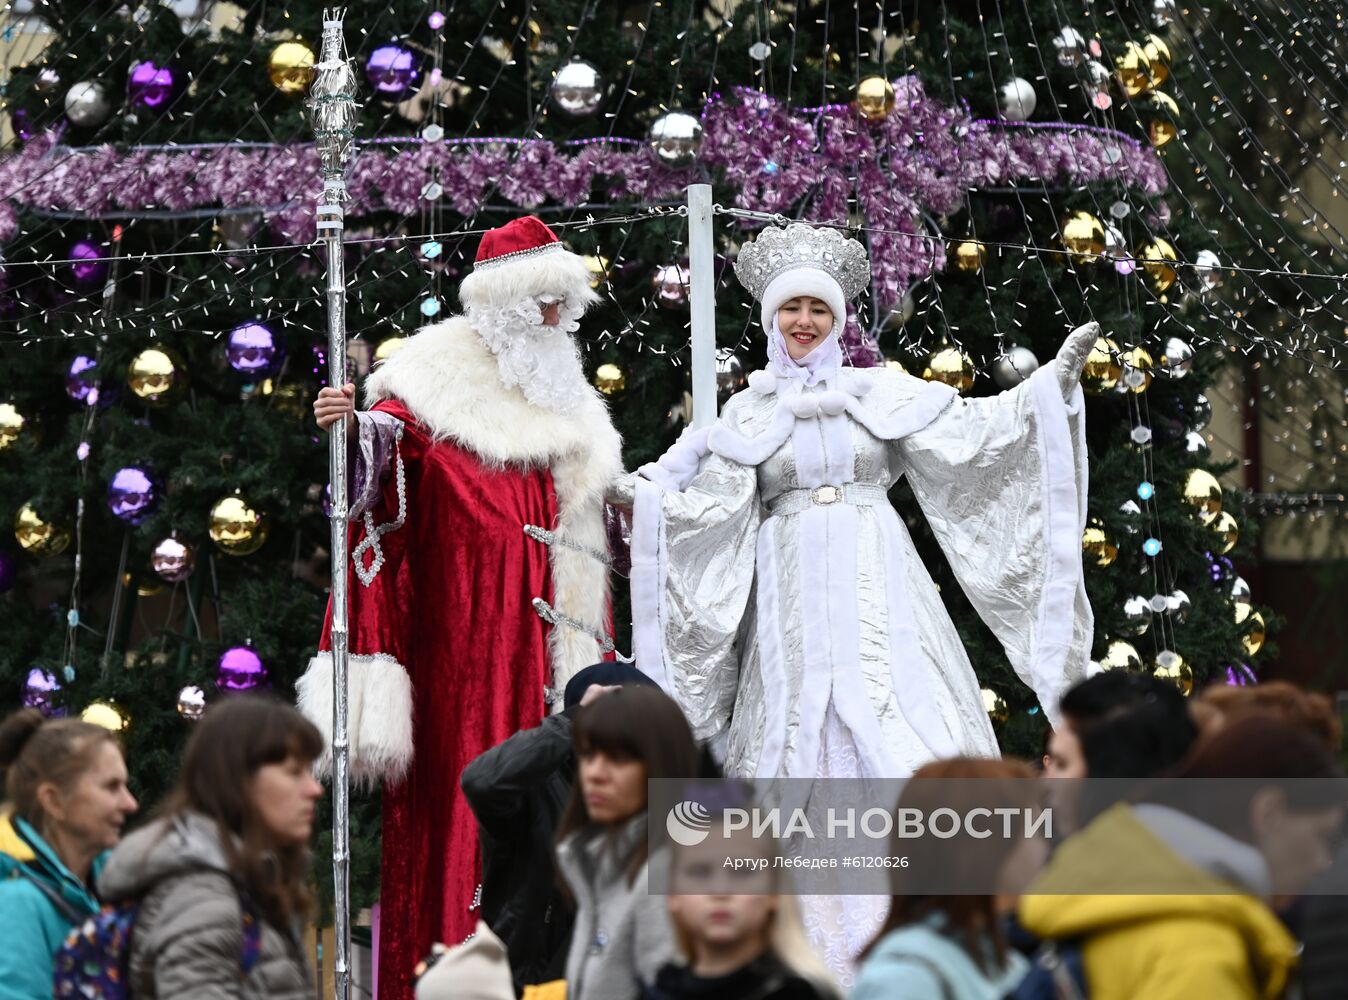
(1018, 99)
(88, 104)
(1014, 367)
(1177, 359)
(1070, 45)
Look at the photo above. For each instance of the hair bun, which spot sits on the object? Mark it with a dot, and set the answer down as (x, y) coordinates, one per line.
(16, 731)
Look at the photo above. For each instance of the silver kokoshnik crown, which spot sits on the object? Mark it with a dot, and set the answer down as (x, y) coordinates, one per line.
(776, 251)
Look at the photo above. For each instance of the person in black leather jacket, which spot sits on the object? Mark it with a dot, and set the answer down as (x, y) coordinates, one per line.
(518, 791)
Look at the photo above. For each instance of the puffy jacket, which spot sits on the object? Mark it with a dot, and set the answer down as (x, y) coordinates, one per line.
(40, 900)
(188, 938)
(518, 792)
(921, 961)
(622, 934)
(1210, 937)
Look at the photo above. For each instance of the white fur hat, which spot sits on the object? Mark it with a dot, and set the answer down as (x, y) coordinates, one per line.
(475, 970)
(524, 260)
(803, 281)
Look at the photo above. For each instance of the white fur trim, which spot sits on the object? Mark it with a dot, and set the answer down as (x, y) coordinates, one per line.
(797, 281)
(562, 274)
(448, 378)
(649, 573)
(379, 715)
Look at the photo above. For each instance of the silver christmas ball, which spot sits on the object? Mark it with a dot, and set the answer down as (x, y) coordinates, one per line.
(1097, 85)
(1240, 590)
(88, 104)
(48, 80)
(1201, 412)
(1177, 604)
(1194, 443)
(1136, 617)
(674, 139)
(191, 703)
(670, 283)
(899, 314)
(1017, 99)
(1070, 45)
(1177, 358)
(1208, 269)
(578, 89)
(730, 374)
(237, 228)
(1014, 367)
(1162, 12)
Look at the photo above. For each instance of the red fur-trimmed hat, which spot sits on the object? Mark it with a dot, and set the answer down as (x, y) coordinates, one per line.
(524, 259)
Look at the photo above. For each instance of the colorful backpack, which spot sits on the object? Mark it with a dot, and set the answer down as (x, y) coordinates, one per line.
(95, 961)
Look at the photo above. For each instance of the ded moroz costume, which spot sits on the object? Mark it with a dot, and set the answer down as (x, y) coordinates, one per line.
(479, 576)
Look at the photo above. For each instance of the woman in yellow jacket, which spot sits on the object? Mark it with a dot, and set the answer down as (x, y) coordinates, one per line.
(1178, 909)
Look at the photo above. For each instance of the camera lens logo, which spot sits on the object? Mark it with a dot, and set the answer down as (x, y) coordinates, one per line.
(688, 823)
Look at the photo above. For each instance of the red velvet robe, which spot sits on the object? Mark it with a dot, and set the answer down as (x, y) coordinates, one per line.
(452, 605)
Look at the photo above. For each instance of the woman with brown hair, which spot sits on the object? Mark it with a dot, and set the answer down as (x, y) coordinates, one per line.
(622, 933)
(231, 848)
(938, 945)
(67, 799)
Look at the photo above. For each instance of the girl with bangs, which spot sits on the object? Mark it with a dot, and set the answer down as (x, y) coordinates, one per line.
(622, 933)
(220, 876)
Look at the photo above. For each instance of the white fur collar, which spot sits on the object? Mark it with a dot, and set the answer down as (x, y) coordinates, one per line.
(448, 378)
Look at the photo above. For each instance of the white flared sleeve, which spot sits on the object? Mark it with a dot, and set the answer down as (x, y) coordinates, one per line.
(692, 575)
(1002, 481)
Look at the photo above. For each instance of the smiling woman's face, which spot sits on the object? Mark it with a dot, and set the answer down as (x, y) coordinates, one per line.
(805, 323)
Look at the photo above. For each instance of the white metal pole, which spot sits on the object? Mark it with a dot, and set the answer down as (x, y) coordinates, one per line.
(702, 303)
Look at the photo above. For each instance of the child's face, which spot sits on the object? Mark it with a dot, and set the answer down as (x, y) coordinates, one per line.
(716, 905)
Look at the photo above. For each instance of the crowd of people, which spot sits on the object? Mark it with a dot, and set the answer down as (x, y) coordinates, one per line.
(217, 883)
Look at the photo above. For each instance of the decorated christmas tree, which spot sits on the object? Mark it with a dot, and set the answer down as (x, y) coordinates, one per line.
(1015, 170)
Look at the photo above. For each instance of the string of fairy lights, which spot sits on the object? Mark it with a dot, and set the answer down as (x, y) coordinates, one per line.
(1116, 92)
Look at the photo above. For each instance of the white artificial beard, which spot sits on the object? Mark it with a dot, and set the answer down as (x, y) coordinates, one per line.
(542, 360)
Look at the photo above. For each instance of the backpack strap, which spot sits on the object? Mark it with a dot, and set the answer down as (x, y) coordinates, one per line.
(63, 905)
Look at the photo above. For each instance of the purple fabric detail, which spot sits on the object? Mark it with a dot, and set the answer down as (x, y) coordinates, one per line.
(369, 457)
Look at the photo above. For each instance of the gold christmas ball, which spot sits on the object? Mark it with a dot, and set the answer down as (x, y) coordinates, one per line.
(157, 376)
(41, 538)
(1162, 127)
(1158, 59)
(388, 347)
(1204, 493)
(1228, 531)
(289, 398)
(951, 366)
(1255, 631)
(597, 267)
(1133, 69)
(1157, 258)
(1120, 655)
(995, 706)
(1137, 365)
(970, 255)
(1170, 666)
(875, 98)
(11, 424)
(105, 714)
(1102, 371)
(610, 379)
(1083, 235)
(1097, 546)
(237, 527)
(291, 67)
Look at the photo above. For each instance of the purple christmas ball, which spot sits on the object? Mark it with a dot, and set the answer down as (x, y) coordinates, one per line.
(9, 570)
(80, 378)
(240, 669)
(251, 348)
(90, 265)
(392, 70)
(132, 494)
(39, 691)
(22, 122)
(150, 86)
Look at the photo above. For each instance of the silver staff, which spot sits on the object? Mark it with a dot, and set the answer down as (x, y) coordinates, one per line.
(332, 110)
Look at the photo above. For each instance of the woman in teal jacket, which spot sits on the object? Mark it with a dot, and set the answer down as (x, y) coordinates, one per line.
(68, 801)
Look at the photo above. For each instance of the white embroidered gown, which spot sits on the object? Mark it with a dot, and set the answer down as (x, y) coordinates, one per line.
(814, 643)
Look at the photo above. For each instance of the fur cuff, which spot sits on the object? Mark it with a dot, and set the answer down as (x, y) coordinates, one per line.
(379, 721)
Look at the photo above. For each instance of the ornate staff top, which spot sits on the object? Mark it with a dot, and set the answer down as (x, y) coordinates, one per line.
(332, 98)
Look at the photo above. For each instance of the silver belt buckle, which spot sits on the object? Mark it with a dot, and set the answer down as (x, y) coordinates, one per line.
(825, 495)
